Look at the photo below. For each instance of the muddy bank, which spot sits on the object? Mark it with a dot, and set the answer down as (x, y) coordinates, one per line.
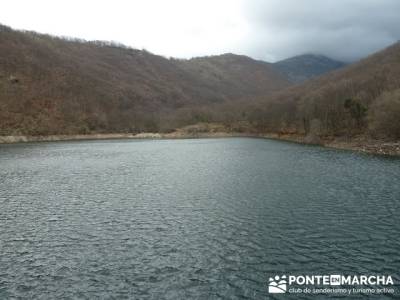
(360, 144)
(49, 138)
(145, 135)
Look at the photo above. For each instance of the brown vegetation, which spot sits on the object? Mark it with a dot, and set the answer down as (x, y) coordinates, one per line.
(384, 116)
(361, 99)
(50, 85)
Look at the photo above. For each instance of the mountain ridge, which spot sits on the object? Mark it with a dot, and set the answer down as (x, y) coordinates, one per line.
(49, 86)
(76, 86)
(301, 68)
(359, 99)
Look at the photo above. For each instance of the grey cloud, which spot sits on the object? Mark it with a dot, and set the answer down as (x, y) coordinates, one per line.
(342, 29)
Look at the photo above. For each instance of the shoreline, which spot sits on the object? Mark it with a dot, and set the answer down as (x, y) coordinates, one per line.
(358, 144)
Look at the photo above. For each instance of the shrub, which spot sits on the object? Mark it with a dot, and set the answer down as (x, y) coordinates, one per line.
(384, 115)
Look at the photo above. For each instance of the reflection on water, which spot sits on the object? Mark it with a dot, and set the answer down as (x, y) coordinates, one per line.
(183, 219)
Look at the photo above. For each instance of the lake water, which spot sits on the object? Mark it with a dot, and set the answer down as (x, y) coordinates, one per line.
(190, 219)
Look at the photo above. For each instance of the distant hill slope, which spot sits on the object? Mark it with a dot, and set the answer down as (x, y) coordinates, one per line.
(235, 75)
(50, 85)
(362, 98)
(303, 67)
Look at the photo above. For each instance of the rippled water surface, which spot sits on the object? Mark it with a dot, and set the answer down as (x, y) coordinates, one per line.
(190, 219)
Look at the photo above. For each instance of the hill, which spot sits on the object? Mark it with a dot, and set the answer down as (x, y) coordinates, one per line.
(50, 85)
(304, 67)
(359, 99)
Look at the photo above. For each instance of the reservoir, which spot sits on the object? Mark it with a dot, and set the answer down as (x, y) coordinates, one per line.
(190, 219)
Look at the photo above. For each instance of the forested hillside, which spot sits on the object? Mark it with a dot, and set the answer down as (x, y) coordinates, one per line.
(363, 98)
(304, 67)
(50, 85)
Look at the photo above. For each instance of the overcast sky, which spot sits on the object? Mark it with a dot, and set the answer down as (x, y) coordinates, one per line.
(263, 29)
